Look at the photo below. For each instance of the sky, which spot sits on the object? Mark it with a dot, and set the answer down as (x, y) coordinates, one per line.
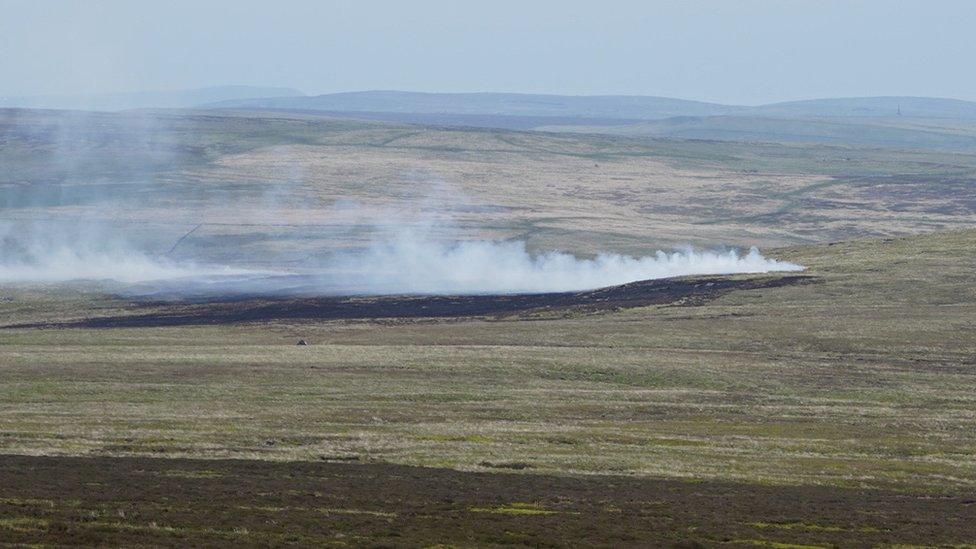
(729, 51)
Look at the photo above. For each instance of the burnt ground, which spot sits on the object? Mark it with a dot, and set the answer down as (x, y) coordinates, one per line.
(228, 311)
(167, 502)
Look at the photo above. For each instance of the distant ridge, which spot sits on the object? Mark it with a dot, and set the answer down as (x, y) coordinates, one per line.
(176, 99)
(877, 131)
(916, 107)
(498, 104)
(490, 104)
(890, 122)
(600, 106)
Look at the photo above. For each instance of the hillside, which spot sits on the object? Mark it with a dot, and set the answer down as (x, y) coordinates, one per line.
(605, 106)
(890, 132)
(892, 122)
(508, 104)
(832, 407)
(313, 178)
(916, 107)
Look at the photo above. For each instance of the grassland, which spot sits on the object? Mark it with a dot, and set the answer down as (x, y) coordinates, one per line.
(849, 402)
(832, 413)
(862, 379)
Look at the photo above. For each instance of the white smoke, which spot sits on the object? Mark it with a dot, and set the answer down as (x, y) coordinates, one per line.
(133, 234)
(61, 252)
(422, 254)
(418, 265)
(66, 265)
(403, 262)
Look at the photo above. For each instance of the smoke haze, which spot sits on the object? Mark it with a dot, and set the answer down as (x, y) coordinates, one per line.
(65, 252)
(414, 264)
(138, 229)
(400, 261)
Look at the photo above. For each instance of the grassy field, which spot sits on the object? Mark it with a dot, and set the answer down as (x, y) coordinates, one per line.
(864, 378)
(833, 413)
(830, 412)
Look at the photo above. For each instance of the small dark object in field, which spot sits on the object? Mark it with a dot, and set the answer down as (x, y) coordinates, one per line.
(301, 343)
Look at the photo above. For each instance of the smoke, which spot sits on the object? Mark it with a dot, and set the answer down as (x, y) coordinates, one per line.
(62, 252)
(94, 199)
(420, 250)
(403, 261)
(64, 264)
(414, 264)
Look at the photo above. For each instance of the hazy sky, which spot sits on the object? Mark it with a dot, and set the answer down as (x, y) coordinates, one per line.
(738, 51)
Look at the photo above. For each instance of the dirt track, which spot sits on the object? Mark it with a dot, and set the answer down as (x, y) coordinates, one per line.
(140, 501)
(228, 311)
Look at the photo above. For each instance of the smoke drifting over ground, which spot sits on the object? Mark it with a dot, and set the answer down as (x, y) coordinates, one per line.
(63, 252)
(96, 200)
(403, 262)
(412, 264)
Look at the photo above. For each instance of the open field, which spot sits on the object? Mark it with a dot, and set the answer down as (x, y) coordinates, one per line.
(181, 311)
(836, 410)
(864, 378)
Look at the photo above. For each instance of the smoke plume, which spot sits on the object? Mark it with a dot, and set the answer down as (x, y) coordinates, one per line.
(65, 252)
(411, 262)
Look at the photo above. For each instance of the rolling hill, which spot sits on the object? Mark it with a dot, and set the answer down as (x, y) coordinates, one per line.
(504, 104)
(888, 132)
(889, 122)
(601, 106)
(919, 107)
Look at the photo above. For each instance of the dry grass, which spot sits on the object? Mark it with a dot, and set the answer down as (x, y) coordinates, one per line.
(865, 378)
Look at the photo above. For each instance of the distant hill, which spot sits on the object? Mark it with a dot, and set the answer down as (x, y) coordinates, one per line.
(892, 132)
(177, 99)
(482, 108)
(490, 121)
(924, 123)
(917, 107)
(504, 104)
(892, 122)
(600, 106)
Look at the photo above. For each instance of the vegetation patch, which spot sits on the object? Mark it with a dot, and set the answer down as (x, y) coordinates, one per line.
(514, 509)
